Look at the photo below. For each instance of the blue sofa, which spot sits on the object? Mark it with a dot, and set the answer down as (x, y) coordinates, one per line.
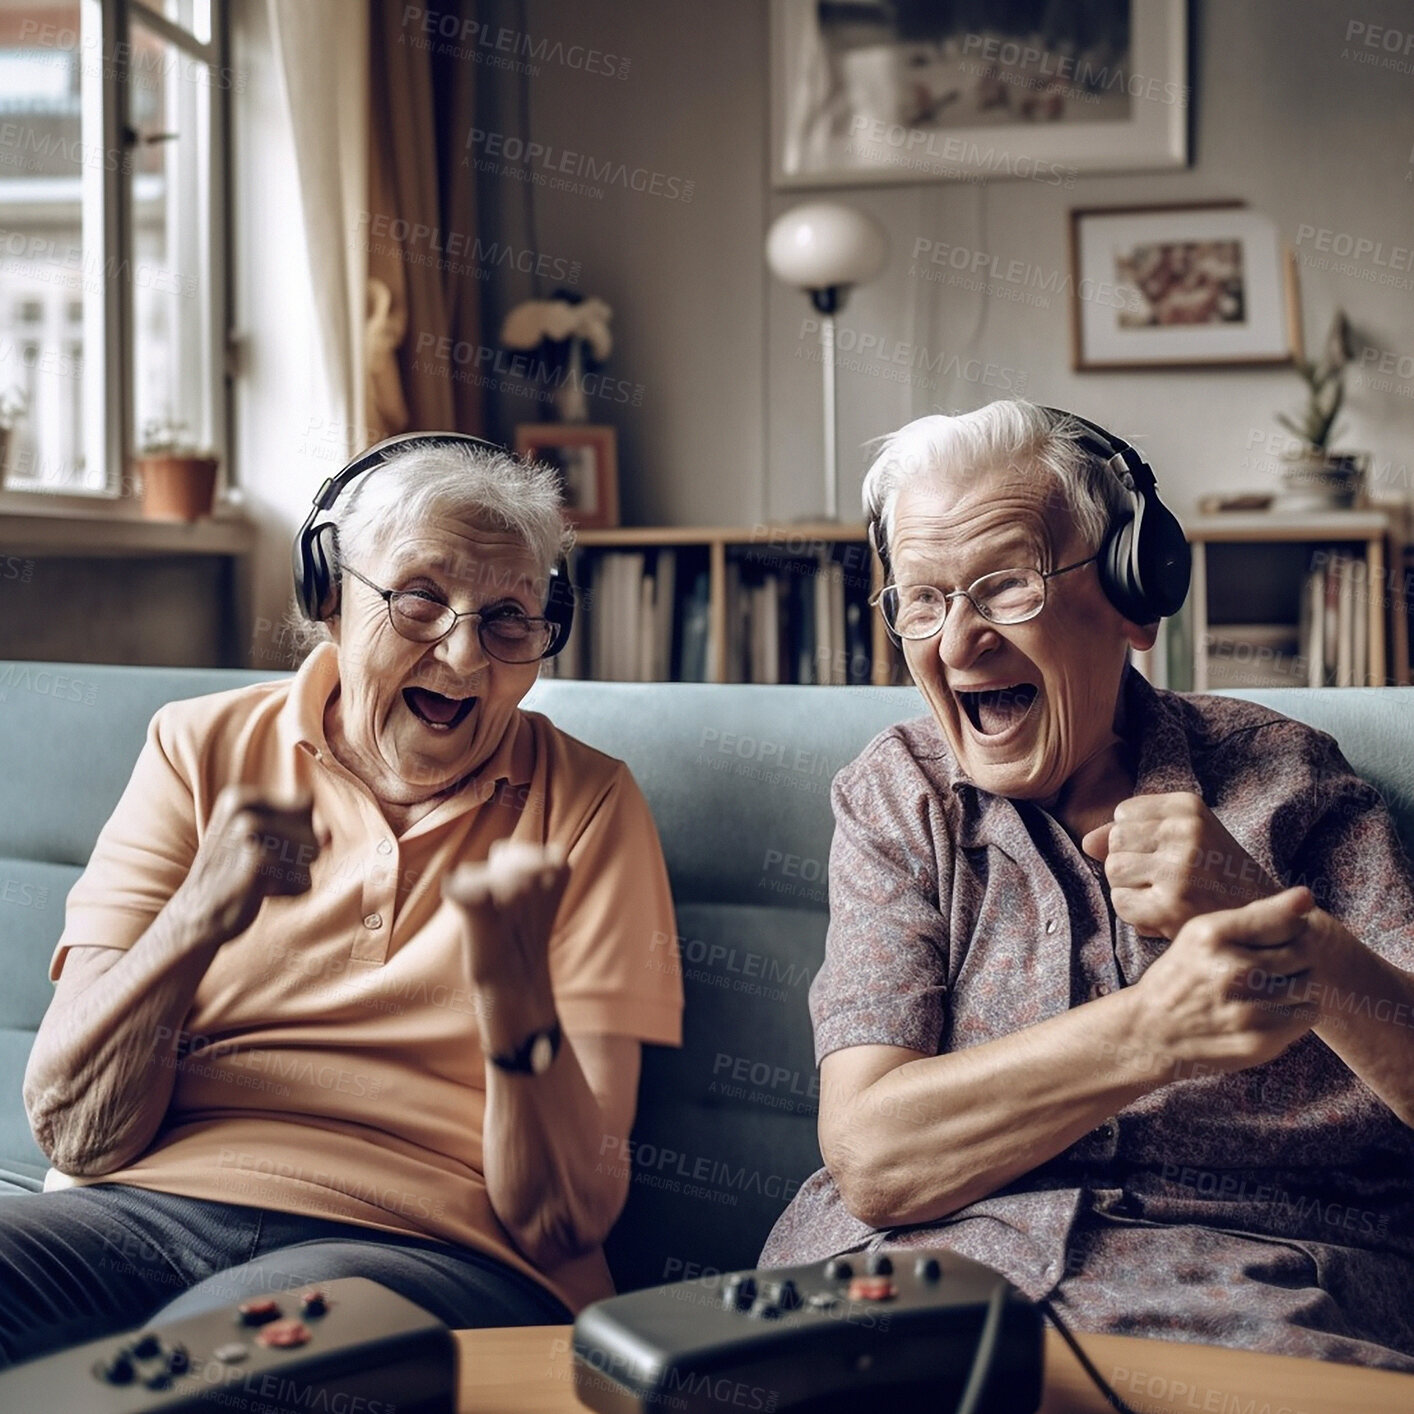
(738, 779)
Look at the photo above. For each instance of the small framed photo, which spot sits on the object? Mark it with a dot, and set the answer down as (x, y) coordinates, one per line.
(1179, 287)
(586, 459)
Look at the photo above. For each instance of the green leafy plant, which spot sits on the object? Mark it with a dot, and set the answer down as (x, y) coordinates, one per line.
(1325, 382)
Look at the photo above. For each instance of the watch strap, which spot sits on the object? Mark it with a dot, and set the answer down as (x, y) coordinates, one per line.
(534, 1055)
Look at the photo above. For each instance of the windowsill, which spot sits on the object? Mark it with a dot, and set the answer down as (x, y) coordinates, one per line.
(33, 523)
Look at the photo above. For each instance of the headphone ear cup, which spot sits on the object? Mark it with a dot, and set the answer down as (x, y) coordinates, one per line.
(1162, 562)
(559, 606)
(322, 586)
(1116, 563)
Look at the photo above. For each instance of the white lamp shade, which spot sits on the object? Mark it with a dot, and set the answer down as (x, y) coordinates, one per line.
(823, 244)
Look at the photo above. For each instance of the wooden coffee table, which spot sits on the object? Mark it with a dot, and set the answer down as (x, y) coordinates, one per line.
(526, 1370)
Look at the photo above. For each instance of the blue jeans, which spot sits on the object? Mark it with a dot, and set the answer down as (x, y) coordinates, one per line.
(87, 1262)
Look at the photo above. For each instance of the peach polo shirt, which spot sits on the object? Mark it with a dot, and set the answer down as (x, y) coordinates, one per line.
(330, 1063)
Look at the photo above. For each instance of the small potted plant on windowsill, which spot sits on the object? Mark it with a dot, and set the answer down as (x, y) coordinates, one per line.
(1315, 477)
(178, 477)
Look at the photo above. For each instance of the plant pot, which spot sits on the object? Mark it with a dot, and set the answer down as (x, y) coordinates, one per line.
(1321, 481)
(177, 488)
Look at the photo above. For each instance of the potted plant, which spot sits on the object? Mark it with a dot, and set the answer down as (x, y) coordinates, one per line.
(1315, 477)
(178, 477)
(567, 330)
(14, 403)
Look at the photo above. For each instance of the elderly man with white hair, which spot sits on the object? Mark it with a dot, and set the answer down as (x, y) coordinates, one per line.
(1117, 993)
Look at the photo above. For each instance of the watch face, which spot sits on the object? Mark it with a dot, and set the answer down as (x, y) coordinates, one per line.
(542, 1052)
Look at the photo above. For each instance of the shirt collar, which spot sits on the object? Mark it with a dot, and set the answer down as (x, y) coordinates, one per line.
(302, 726)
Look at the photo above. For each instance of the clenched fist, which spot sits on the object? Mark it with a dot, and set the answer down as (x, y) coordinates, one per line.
(1168, 859)
(253, 849)
(508, 906)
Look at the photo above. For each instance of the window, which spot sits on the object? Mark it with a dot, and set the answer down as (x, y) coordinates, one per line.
(113, 309)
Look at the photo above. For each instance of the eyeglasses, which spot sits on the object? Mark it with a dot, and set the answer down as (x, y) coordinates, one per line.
(917, 611)
(506, 634)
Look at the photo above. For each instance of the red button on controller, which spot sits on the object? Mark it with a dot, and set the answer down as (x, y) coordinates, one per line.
(257, 1312)
(872, 1289)
(284, 1334)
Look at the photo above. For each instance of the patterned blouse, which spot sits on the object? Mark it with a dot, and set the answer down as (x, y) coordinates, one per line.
(1271, 1208)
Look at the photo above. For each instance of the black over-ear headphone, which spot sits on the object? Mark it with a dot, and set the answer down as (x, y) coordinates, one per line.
(317, 543)
(1145, 561)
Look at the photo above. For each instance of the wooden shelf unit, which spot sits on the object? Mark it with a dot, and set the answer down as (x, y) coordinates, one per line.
(1376, 533)
(797, 538)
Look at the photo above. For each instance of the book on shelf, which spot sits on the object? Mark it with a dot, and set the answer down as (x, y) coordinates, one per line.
(1333, 635)
(665, 589)
(696, 617)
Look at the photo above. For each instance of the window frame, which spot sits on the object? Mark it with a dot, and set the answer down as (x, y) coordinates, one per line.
(107, 226)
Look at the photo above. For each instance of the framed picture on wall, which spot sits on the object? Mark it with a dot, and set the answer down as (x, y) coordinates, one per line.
(1179, 287)
(586, 460)
(876, 91)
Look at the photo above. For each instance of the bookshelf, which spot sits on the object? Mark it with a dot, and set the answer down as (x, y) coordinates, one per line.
(1291, 599)
(763, 603)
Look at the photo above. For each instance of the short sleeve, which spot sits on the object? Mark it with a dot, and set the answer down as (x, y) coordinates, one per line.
(1352, 859)
(884, 978)
(614, 957)
(141, 857)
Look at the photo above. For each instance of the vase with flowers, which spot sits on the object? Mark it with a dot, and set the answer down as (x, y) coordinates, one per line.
(570, 334)
(1315, 477)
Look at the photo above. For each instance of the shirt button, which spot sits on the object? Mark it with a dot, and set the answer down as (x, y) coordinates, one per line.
(373, 921)
(1100, 989)
(1050, 925)
(385, 846)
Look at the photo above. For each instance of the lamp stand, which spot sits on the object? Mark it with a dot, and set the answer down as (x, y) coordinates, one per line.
(827, 351)
(827, 301)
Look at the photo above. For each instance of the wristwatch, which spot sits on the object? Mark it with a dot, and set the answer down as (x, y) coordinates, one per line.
(534, 1055)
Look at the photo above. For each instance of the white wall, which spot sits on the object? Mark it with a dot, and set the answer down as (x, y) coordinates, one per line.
(730, 425)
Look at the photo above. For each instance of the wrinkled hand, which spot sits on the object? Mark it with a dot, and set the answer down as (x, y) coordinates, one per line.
(508, 907)
(1168, 859)
(1225, 994)
(254, 848)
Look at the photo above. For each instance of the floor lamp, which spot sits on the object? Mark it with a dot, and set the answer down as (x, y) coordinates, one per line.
(825, 248)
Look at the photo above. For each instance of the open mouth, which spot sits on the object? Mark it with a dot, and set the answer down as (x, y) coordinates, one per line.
(436, 711)
(999, 709)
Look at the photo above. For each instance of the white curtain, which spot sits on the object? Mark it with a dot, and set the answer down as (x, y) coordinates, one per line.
(320, 50)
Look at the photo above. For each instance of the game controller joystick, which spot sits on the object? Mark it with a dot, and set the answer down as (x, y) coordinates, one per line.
(874, 1330)
(347, 1344)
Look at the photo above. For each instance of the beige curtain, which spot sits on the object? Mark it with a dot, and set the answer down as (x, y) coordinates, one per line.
(422, 286)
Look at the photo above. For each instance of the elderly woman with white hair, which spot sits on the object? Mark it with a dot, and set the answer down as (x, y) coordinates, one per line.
(1117, 993)
(356, 979)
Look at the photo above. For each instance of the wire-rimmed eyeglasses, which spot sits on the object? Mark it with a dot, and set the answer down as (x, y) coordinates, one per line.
(918, 611)
(506, 633)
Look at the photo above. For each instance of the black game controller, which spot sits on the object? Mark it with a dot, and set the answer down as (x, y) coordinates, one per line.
(887, 1330)
(346, 1345)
